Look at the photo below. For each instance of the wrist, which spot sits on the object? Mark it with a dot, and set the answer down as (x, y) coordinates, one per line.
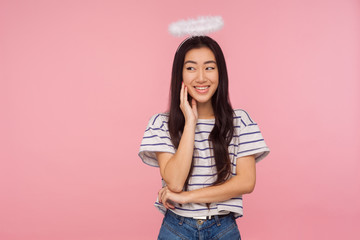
(187, 197)
(190, 125)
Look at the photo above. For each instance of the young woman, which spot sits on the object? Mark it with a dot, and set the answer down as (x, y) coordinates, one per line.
(206, 151)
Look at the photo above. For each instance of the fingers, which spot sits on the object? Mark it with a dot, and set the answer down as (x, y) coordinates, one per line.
(190, 112)
(183, 96)
(171, 206)
(160, 195)
(194, 106)
(182, 93)
(164, 198)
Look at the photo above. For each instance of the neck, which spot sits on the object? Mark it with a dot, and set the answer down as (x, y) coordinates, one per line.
(205, 110)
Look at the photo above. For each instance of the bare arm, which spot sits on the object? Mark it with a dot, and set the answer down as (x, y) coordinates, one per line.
(174, 168)
(242, 183)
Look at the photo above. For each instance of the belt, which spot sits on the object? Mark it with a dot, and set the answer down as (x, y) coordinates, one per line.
(199, 218)
(209, 217)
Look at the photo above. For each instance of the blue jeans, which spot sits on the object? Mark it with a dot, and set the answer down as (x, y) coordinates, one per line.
(218, 227)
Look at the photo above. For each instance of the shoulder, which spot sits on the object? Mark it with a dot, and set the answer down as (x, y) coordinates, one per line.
(242, 117)
(158, 119)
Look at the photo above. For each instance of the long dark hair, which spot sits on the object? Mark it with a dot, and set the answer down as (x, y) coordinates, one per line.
(223, 130)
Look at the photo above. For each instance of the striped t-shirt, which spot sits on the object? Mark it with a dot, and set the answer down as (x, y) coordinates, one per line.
(247, 140)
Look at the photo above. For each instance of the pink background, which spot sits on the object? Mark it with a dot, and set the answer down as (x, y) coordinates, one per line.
(80, 80)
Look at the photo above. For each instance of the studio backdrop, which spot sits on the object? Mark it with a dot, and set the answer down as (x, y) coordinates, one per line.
(79, 81)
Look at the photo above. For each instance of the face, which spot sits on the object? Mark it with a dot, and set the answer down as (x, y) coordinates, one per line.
(200, 74)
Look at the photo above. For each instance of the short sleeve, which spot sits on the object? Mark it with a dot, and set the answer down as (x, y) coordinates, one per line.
(156, 139)
(251, 140)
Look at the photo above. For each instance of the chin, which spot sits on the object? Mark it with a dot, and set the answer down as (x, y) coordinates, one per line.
(202, 100)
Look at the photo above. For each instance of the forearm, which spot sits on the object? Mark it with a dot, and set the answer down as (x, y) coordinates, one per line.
(243, 182)
(178, 166)
(233, 187)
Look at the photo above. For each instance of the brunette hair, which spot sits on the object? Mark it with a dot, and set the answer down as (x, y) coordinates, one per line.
(223, 130)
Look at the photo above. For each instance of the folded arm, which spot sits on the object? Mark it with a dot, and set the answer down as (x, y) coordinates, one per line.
(242, 183)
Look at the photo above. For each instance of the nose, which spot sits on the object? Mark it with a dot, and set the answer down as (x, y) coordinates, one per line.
(201, 76)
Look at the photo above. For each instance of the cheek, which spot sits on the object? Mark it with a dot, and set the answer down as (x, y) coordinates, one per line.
(214, 77)
(186, 78)
(216, 83)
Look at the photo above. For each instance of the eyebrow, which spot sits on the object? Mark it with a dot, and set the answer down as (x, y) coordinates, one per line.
(207, 62)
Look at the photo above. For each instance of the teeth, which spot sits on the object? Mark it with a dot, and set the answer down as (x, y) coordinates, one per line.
(202, 88)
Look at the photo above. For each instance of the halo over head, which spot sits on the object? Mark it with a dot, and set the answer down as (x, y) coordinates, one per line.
(201, 26)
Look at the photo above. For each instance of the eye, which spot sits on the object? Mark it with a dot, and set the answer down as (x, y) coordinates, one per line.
(210, 68)
(190, 68)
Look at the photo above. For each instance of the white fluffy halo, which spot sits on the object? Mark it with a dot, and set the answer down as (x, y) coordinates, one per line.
(196, 27)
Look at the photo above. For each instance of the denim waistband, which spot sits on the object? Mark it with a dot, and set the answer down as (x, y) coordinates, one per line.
(215, 218)
(218, 227)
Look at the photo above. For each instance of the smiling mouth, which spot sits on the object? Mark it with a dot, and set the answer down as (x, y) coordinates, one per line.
(202, 88)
